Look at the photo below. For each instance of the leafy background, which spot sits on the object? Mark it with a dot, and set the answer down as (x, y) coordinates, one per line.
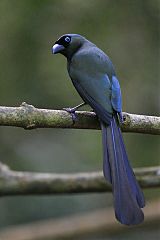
(128, 32)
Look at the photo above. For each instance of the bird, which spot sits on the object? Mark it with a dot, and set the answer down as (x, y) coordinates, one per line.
(94, 77)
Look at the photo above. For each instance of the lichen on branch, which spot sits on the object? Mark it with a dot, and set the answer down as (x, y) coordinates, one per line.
(29, 117)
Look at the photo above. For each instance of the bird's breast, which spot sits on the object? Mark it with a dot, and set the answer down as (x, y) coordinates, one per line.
(84, 67)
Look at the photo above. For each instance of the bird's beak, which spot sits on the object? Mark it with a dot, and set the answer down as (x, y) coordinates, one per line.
(57, 48)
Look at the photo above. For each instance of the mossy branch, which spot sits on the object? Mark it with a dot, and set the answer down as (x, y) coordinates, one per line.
(25, 183)
(29, 117)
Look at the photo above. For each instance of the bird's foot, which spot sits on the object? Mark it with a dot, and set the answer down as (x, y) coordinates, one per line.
(72, 111)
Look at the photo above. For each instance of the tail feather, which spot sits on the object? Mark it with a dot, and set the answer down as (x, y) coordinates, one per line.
(128, 198)
(131, 177)
(106, 163)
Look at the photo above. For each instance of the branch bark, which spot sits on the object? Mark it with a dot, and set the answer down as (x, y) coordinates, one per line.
(29, 117)
(26, 183)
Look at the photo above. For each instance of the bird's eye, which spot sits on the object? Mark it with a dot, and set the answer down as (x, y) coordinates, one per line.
(67, 39)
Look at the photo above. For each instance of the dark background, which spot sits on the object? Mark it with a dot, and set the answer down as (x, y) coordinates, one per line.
(128, 32)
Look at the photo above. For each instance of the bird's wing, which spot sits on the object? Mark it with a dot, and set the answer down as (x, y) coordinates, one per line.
(97, 93)
(116, 98)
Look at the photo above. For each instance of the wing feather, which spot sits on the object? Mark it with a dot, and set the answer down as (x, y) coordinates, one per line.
(98, 108)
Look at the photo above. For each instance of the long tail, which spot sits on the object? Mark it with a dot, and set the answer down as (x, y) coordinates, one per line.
(128, 197)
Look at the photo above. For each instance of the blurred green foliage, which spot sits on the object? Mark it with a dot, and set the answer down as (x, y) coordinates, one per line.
(128, 32)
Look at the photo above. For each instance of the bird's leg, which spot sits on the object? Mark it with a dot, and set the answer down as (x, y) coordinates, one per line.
(72, 110)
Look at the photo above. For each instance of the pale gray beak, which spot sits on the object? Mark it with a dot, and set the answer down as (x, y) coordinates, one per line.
(57, 48)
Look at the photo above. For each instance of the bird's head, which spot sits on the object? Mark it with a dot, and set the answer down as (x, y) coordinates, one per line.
(68, 44)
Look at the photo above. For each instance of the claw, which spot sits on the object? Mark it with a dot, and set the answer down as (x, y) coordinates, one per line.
(69, 110)
(72, 112)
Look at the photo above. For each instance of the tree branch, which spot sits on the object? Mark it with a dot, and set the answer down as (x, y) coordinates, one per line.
(29, 117)
(25, 183)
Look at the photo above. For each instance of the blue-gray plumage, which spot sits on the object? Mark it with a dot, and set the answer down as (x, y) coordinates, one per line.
(94, 77)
